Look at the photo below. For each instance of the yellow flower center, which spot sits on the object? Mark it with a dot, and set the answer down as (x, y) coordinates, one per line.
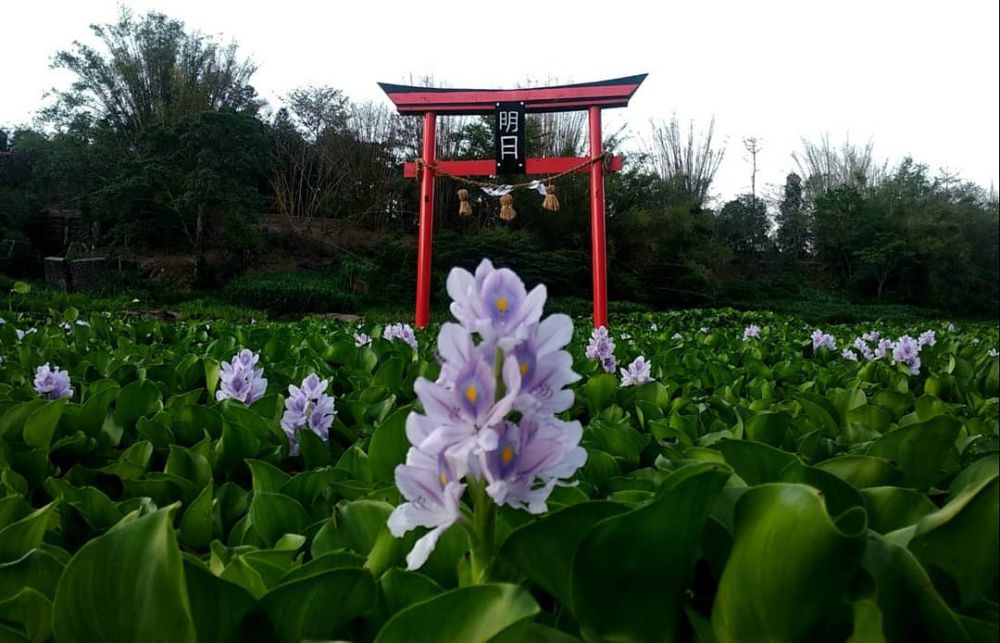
(444, 479)
(507, 455)
(471, 394)
(502, 304)
(524, 368)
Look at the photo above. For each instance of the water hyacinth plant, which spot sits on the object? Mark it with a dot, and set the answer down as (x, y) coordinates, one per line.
(489, 422)
(823, 340)
(602, 348)
(307, 407)
(637, 373)
(751, 332)
(52, 383)
(240, 379)
(403, 332)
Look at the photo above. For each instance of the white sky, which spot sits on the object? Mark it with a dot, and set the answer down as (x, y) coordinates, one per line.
(916, 77)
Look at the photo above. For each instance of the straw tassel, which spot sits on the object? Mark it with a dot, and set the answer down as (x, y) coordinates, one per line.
(464, 206)
(551, 202)
(507, 212)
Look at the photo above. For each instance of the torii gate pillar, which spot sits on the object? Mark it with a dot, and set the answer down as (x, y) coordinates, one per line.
(430, 102)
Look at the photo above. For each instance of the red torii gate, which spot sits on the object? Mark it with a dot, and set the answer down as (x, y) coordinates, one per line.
(430, 102)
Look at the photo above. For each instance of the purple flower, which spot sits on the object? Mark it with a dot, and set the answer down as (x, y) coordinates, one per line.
(871, 336)
(637, 373)
(602, 348)
(21, 334)
(545, 368)
(849, 355)
(240, 380)
(883, 348)
(677, 336)
(862, 348)
(993, 353)
(704, 330)
(951, 328)
(494, 303)
(519, 366)
(307, 407)
(822, 340)
(400, 331)
(361, 339)
(906, 351)
(52, 383)
(751, 332)
(531, 457)
(927, 338)
(433, 494)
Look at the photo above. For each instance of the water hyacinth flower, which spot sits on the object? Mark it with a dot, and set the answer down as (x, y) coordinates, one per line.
(849, 355)
(704, 330)
(637, 373)
(307, 407)
(676, 336)
(883, 348)
(602, 348)
(751, 332)
(654, 327)
(362, 339)
(530, 459)
(822, 340)
(433, 496)
(400, 331)
(863, 349)
(906, 351)
(993, 353)
(951, 328)
(239, 379)
(494, 303)
(52, 383)
(871, 336)
(927, 338)
(21, 334)
(490, 416)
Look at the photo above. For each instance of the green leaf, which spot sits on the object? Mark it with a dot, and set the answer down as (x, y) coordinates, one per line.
(221, 610)
(31, 610)
(961, 541)
(755, 462)
(918, 450)
(20, 537)
(138, 399)
(196, 523)
(400, 589)
(101, 600)
(892, 508)
(630, 574)
(273, 515)
(318, 607)
(912, 612)
(389, 445)
(769, 428)
(783, 542)
(469, 614)
(41, 425)
(543, 550)
(38, 570)
(21, 288)
(600, 392)
(861, 471)
(266, 476)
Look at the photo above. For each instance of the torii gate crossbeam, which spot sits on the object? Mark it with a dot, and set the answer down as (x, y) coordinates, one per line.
(431, 102)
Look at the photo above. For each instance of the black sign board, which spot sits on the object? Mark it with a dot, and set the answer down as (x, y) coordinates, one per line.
(508, 138)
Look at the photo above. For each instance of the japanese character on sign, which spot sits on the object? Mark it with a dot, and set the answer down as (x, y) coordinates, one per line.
(509, 138)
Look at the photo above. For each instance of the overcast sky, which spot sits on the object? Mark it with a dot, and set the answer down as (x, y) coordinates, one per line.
(917, 78)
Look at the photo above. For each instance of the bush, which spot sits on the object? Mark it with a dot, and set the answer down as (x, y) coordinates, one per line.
(292, 292)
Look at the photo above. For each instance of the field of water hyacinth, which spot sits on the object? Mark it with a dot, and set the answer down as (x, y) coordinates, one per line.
(508, 476)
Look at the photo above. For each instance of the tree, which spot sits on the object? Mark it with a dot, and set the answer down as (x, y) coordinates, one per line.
(318, 110)
(743, 226)
(826, 167)
(690, 162)
(150, 71)
(753, 147)
(793, 235)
